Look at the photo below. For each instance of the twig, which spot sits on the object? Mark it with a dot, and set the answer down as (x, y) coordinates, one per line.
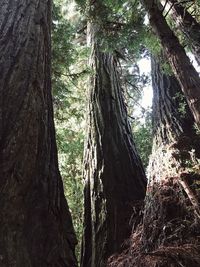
(165, 6)
(190, 194)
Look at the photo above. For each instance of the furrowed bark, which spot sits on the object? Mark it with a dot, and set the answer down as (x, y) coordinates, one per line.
(115, 179)
(188, 25)
(180, 63)
(172, 199)
(168, 236)
(35, 227)
(173, 123)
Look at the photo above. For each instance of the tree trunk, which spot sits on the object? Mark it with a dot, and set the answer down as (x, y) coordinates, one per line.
(171, 225)
(35, 228)
(180, 63)
(188, 25)
(115, 179)
(171, 220)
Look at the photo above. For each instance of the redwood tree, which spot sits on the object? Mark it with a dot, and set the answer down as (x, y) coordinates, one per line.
(35, 226)
(169, 234)
(115, 181)
(172, 199)
(183, 69)
(188, 25)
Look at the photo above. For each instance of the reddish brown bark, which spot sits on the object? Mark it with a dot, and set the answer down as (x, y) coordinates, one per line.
(115, 178)
(172, 197)
(168, 236)
(188, 25)
(180, 63)
(35, 223)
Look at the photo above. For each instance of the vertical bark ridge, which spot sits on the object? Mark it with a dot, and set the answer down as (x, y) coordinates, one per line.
(175, 151)
(169, 234)
(183, 69)
(36, 227)
(115, 179)
(172, 119)
(189, 26)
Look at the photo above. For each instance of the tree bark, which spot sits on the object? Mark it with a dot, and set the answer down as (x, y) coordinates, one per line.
(35, 228)
(115, 179)
(168, 236)
(172, 199)
(173, 125)
(188, 25)
(180, 63)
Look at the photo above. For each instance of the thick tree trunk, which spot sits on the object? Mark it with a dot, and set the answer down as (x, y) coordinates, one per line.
(35, 226)
(180, 63)
(115, 179)
(189, 26)
(171, 226)
(171, 220)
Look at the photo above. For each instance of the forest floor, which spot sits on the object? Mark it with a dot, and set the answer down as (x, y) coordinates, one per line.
(169, 238)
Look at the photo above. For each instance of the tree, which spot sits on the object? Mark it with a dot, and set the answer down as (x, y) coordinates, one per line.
(115, 181)
(172, 197)
(35, 227)
(168, 235)
(188, 25)
(180, 63)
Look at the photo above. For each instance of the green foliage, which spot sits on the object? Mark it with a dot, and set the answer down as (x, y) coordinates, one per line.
(70, 125)
(166, 67)
(182, 104)
(124, 26)
(143, 137)
(152, 43)
(70, 146)
(82, 4)
(197, 129)
(68, 69)
(62, 47)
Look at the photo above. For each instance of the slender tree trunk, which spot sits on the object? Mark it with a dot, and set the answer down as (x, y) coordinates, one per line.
(115, 179)
(180, 63)
(189, 26)
(35, 226)
(169, 211)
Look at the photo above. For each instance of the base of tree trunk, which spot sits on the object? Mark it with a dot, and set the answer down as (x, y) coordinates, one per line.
(170, 233)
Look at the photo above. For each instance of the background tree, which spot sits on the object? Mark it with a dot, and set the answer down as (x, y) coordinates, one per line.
(188, 25)
(35, 227)
(70, 76)
(167, 236)
(172, 196)
(180, 63)
(115, 179)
